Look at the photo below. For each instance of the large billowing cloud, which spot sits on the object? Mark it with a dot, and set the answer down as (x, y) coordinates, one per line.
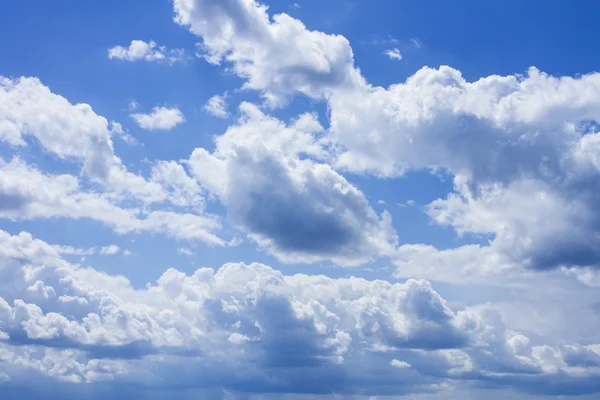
(250, 328)
(522, 149)
(278, 57)
(76, 135)
(300, 209)
(71, 132)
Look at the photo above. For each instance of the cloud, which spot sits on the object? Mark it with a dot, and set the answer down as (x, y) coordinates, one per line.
(110, 250)
(399, 364)
(26, 193)
(139, 50)
(71, 132)
(298, 209)
(182, 190)
(504, 139)
(184, 251)
(393, 54)
(69, 250)
(407, 203)
(161, 118)
(520, 148)
(216, 106)
(278, 57)
(231, 327)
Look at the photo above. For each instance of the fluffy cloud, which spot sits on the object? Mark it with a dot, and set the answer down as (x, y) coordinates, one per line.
(297, 208)
(216, 106)
(393, 54)
(235, 326)
(139, 50)
(110, 249)
(27, 193)
(161, 118)
(181, 189)
(72, 132)
(277, 57)
(28, 108)
(521, 150)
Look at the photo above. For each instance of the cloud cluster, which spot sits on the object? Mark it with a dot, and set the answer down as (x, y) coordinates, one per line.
(139, 50)
(278, 57)
(297, 208)
(522, 149)
(251, 328)
(523, 153)
(78, 136)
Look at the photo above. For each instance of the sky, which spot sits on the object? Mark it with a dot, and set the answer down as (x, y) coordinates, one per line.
(244, 199)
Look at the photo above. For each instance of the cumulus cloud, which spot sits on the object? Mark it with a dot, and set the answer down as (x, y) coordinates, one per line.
(71, 132)
(74, 133)
(277, 57)
(297, 208)
(399, 364)
(110, 249)
(520, 148)
(506, 140)
(393, 54)
(161, 118)
(216, 106)
(139, 50)
(27, 193)
(182, 190)
(523, 153)
(80, 325)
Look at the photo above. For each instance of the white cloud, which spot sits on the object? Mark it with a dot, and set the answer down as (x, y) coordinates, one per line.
(257, 172)
(399, 364)
(277, 57)
(407, 203)
(519, 148)
(133, 105)
(181, 189)
(161, 118)
(184, 251)
(393, 54)
(27, 193)
(499, 136)
(139, 50)
(110, 250)
(216, 106)
(69, 250)
(72, 132)
(81, 325)
(523, 154)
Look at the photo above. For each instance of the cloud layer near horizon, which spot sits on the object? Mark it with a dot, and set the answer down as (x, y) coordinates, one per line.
(250, 323)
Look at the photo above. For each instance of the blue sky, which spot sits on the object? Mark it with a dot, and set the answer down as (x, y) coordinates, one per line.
(247, 199)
